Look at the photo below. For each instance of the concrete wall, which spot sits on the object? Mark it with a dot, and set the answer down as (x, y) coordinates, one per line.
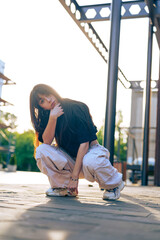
(136, 127)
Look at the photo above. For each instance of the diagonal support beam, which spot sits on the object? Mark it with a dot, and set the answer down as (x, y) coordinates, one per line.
(6, 80)
(88, 30)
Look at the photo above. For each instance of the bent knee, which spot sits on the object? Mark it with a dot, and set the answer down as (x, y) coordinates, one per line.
(95, 162)
(42, 149)
(88, 163)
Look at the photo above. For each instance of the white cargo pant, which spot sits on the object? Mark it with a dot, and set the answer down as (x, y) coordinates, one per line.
(58, 166)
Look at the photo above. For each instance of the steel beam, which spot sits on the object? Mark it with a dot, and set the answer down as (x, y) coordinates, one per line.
(157, 154)
(154, 11)
(147, 109)
(101, 12)
(137, 85)
(109, 129)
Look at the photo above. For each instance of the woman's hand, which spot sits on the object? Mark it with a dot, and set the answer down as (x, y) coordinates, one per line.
(57, 111)
(73, 186)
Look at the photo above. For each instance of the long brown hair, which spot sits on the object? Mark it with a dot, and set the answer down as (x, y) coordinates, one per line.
(36, 112)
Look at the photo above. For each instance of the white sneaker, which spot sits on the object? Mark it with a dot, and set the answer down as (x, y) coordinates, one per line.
(121, 185)
(59, 192)
(113, 194)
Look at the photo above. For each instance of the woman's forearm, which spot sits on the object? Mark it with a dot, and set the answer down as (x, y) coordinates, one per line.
(78, 165)
(49, 132)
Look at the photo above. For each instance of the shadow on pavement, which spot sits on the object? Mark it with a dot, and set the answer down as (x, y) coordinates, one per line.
(84, 217)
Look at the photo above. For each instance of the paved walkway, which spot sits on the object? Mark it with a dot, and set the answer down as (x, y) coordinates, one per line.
(26, 213)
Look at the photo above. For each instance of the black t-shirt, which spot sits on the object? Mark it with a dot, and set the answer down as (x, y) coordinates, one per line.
(75, 126)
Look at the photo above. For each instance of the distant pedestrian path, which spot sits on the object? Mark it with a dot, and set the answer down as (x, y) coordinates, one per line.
(23, 177)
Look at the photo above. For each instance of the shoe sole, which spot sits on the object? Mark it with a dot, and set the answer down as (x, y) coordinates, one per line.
(67, 194)
(111, 199)
(56, 195)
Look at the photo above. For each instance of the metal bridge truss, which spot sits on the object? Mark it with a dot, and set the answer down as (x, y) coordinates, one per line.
(115, 11)
(83, 16)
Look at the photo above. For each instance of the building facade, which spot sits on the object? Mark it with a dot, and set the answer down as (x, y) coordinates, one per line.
(135, 132)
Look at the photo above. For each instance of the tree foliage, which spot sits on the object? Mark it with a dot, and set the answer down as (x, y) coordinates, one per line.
(100, 135)
(8, 118)
(23, 143)
(8, 124)
(120, 145)
(25, 151)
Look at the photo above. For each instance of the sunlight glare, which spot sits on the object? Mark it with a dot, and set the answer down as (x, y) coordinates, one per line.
(57, 235)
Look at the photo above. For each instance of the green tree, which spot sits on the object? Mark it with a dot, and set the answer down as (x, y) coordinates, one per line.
(8, 119)
(7, 125)
(25, 151)
(1, 159)
(120, 144)
(120, 152)
(23, 142)
(100, 135)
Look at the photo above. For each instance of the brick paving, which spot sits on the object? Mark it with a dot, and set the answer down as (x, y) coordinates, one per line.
(27, 214)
